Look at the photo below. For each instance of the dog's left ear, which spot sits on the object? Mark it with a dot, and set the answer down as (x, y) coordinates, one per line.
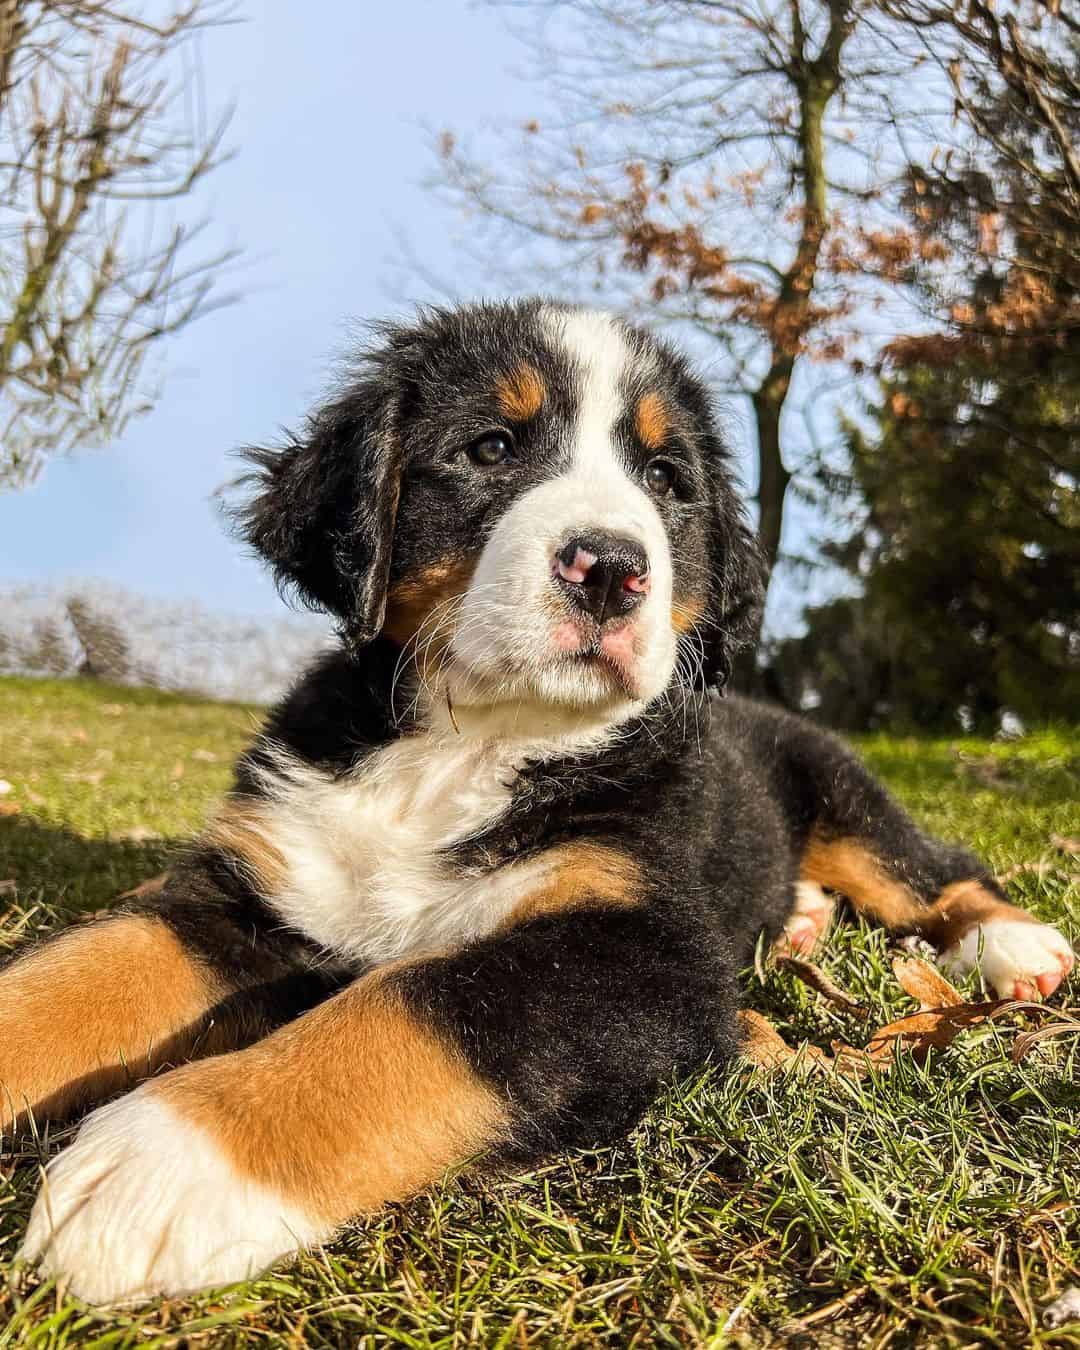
(739, 578)
(323, 510)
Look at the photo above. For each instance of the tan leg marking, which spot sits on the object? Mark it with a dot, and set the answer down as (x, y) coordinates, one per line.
(521, 394)
(583, 876)
(94, 1009)
(355, 1104)
(413, 599)
(848, 866)
(652, 421)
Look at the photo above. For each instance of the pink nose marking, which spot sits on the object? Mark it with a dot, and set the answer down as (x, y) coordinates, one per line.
(639, 585)
(579, 569)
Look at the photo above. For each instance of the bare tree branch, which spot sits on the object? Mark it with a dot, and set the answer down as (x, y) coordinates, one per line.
(94, 123)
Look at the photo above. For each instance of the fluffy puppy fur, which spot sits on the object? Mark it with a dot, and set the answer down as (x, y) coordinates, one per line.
(487, 875)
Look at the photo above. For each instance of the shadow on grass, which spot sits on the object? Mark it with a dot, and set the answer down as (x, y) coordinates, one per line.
(66, 874)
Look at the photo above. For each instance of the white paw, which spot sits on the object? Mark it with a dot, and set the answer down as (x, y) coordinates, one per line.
(143, 1203)
(808, 920)
(1018, 959)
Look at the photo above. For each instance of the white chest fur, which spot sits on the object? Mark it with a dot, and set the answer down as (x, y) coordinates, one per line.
(363, 873)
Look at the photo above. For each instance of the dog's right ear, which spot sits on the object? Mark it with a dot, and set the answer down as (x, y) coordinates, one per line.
(323, 510)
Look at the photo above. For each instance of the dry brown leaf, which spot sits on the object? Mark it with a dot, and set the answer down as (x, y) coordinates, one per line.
(1065, 844)
(138, 834)
(816, 978)
(1060, 1023)
(10, 808)
(926, 985)
(985, 769)
(931, 1029)
(764, 1047)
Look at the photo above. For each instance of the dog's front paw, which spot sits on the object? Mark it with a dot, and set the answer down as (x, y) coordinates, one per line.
(1018, 958)
(810, 916)
(143, 1203)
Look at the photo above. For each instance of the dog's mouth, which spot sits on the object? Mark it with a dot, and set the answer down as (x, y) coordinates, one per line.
(594, 659)
(608, 651)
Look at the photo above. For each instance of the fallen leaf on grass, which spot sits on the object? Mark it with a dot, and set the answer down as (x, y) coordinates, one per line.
(1062, 1023)
(764, 1047)
(1040, 869)
(930, 1029)
(9, 808)
(943, 1015)
(1065, 844)
(816, 978)
(138, 834)
(927, 986)
(985, 769)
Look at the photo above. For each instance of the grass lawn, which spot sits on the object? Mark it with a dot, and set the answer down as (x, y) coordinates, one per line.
(935, 1204)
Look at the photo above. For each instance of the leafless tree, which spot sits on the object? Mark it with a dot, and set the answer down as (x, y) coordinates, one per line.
(101, 124)
(742, 167)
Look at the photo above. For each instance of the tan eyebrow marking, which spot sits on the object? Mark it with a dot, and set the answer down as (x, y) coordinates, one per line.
(521, 394)
(652, 421)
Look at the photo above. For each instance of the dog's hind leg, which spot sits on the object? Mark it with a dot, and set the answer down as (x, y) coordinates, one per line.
(103, 1004)
(861, 843)
(113, 1000)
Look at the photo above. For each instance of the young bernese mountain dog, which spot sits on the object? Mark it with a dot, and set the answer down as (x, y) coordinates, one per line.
(486, 877)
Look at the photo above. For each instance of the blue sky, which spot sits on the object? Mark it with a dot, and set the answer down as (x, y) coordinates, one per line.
(334, 107)
(335, 112)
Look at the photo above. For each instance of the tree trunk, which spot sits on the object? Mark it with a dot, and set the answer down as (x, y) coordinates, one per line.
(773, 477)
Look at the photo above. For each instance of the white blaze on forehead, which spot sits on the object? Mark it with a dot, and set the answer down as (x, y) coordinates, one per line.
(601, 356)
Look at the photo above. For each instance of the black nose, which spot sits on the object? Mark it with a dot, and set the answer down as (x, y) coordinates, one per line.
(604, 575)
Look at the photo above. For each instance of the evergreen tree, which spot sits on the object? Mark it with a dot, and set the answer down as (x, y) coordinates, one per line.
(968, 558)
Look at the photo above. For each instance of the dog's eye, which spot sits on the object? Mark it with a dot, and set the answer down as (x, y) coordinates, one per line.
(493, 447)
(660, 476)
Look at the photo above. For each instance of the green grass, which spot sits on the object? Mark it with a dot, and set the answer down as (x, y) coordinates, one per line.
(936, 1205)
